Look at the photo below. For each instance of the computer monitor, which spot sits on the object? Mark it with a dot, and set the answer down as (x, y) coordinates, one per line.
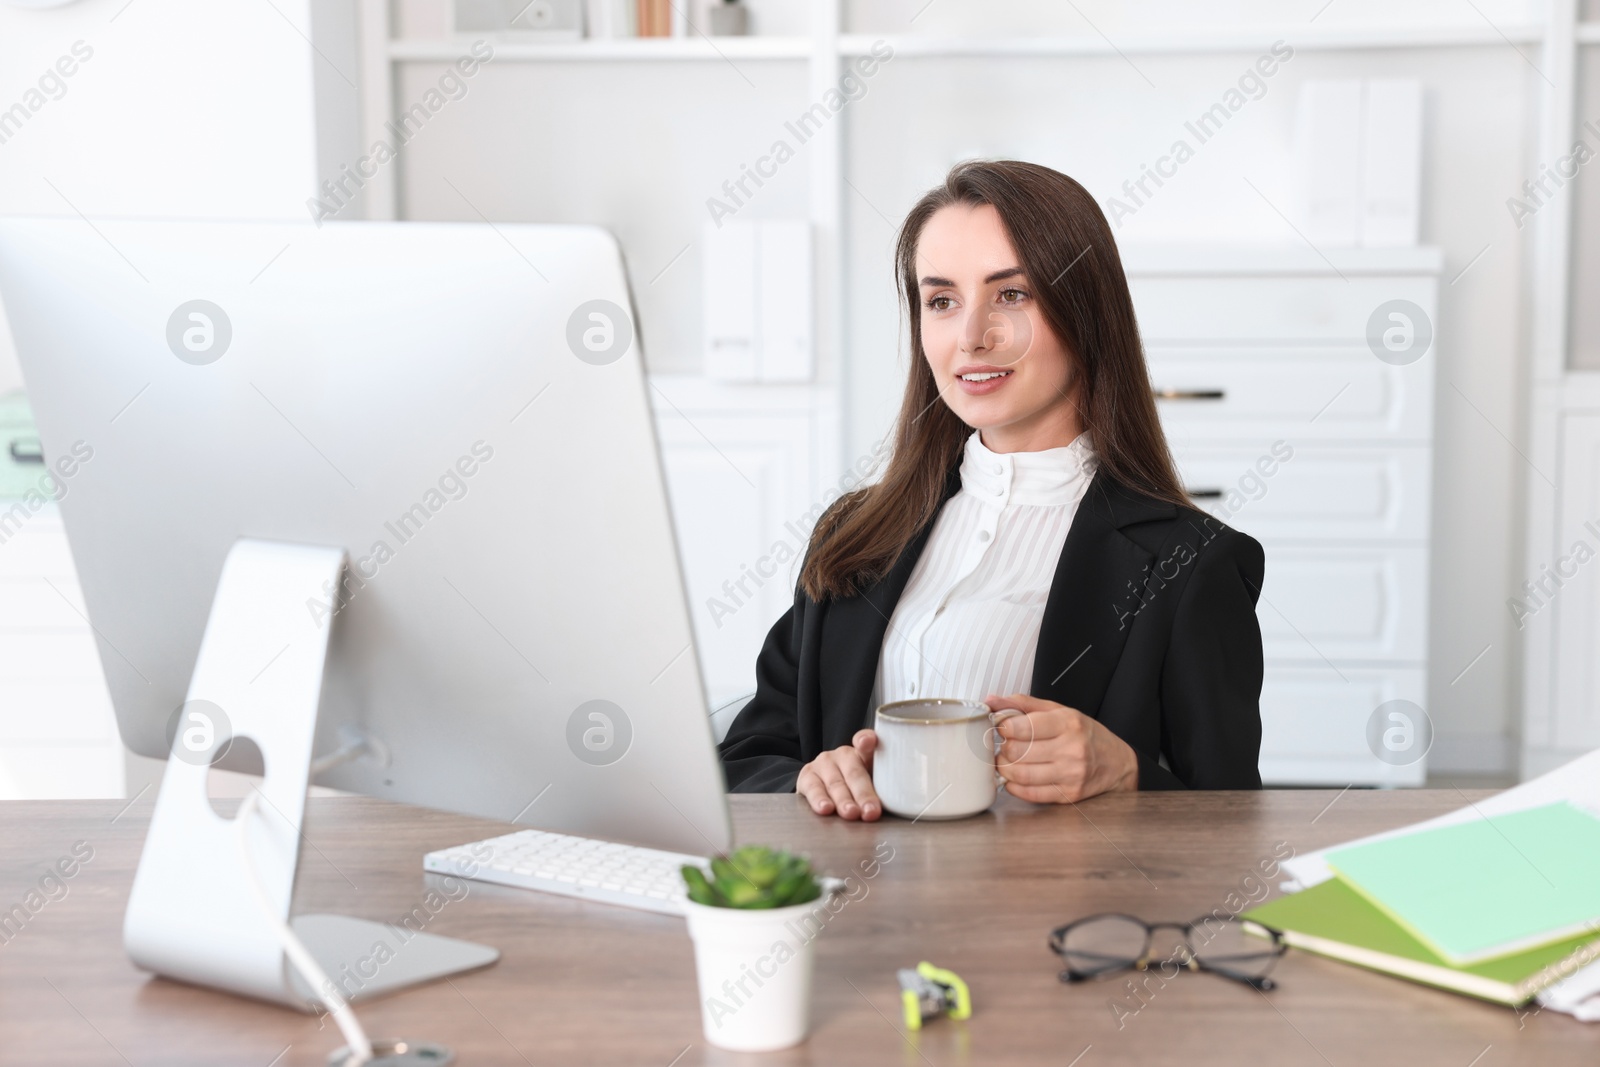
(461, 410)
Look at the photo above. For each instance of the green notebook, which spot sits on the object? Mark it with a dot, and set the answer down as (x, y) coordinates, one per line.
(1332, 919)
(1479, 890)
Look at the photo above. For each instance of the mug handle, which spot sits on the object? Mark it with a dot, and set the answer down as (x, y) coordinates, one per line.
(994, 721)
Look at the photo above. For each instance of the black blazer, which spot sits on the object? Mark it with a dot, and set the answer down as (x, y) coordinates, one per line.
(1150, 627)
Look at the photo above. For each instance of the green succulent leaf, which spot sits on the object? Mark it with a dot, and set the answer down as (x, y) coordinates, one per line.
(791, 886)
(806, 893)
(700, 891)
(743, 894)
(752, 878)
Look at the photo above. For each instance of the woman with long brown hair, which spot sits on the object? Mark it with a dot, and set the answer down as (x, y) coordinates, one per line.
(1028, 545)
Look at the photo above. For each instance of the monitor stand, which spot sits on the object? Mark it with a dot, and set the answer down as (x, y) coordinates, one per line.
(191, 914)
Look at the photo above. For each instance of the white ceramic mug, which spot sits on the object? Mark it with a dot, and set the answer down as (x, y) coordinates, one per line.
(935, 757)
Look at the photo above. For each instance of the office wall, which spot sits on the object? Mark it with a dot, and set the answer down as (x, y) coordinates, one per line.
(175, 108)
(635, 146)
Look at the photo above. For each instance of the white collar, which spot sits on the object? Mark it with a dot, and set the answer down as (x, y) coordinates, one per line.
(1052, 476)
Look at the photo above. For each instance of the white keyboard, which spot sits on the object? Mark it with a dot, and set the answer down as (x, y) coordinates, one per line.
(572, 866)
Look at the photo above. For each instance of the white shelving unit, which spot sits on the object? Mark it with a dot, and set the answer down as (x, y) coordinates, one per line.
(857, 44)
(1561, 632)
(1551, 40)
(633, 49)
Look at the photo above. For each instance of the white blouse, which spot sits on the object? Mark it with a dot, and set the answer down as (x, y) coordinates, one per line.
(967, 624)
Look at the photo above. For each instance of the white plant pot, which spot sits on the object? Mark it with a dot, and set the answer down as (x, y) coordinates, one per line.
(755, 972)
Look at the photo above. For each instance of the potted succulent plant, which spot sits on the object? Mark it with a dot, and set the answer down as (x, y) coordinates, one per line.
(754, 945)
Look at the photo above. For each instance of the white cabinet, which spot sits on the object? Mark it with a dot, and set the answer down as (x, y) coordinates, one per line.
(58, 738)
(749, 468)
(1287, 425)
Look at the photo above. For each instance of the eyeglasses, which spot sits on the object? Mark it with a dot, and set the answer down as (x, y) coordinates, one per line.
(1107, 944)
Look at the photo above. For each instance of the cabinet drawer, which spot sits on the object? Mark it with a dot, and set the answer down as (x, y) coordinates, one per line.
(1291, 394)
(1314, 493)
(1314, 725)
(1320, 604)
(1188, 309)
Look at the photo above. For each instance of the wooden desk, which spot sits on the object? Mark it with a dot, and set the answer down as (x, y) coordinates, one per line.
(588, 984)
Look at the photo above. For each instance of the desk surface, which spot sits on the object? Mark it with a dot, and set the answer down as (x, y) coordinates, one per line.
(584, 983)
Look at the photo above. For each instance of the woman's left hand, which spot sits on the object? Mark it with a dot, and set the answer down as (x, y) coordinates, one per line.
(1053, 754)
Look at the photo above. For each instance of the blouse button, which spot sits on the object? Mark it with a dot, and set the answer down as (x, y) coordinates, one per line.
(983, 535)
(999, 468)
(912, 688)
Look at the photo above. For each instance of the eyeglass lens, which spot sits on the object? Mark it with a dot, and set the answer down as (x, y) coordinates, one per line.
(1103, 943)
(1113, 942)
(1224, 945)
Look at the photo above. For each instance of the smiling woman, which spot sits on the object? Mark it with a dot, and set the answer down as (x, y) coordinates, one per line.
(1029, 499)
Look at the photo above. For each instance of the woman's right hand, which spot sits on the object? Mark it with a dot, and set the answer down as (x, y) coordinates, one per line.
(840, 780)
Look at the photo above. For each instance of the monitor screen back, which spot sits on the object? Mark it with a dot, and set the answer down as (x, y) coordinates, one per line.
(463, 409)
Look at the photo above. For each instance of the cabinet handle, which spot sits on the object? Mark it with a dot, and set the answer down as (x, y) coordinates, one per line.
(1189, 394)
(31, 455)
(1204, 494)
